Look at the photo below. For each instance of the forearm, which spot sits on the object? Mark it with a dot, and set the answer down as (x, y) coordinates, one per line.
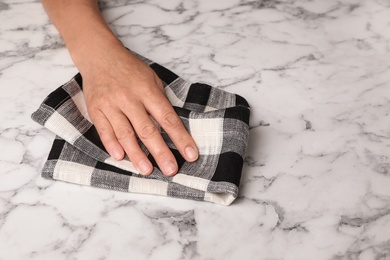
(82, 27)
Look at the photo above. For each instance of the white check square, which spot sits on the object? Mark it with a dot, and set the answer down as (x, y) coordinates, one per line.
(208, 134)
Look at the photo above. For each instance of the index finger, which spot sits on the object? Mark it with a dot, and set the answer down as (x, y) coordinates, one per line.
(162, 111)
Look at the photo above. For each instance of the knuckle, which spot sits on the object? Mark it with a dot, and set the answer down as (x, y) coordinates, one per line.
(147, 131)
(158, 81)
(171, 120)
(124, 133)
(103, 131)
(148, 92)
(97, 109)
(104, 103)
(93, 109)
(92, 106)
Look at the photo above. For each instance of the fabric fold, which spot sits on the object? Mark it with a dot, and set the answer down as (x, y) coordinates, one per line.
(217, 120)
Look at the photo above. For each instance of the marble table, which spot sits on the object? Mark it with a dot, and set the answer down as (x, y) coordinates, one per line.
(316, 179)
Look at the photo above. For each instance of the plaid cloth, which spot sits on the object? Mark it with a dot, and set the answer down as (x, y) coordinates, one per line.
(217, 120)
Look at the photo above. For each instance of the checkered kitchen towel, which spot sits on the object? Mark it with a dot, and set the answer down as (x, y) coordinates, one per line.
(217, 120)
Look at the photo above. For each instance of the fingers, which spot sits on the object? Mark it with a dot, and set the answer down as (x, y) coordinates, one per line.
(160, 109)
(122, 112)
(117, 135)
(107, 134)
(127, 138)
(151, 138)
(117, 132)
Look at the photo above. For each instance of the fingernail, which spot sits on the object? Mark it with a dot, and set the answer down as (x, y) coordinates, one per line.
(170, 168)
(117, 154)
(144, 167)
(191, 153)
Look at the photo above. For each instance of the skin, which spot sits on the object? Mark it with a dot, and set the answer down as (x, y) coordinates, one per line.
(121, 92)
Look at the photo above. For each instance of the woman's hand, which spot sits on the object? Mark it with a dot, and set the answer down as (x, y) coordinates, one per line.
(121, 91)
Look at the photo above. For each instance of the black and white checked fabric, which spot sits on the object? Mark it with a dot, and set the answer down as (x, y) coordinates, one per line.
(217, 120)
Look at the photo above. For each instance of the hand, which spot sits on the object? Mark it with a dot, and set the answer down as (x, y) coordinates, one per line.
(122, 93)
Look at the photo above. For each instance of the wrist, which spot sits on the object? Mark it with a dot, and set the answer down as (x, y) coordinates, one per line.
(81, 25)
(92, 51)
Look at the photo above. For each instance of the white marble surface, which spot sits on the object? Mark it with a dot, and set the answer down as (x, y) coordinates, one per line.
(316, 181)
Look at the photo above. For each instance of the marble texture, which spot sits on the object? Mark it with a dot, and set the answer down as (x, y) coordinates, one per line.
(316, 179)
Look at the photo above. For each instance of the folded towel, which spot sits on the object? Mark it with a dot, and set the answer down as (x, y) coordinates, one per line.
(217, 120)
